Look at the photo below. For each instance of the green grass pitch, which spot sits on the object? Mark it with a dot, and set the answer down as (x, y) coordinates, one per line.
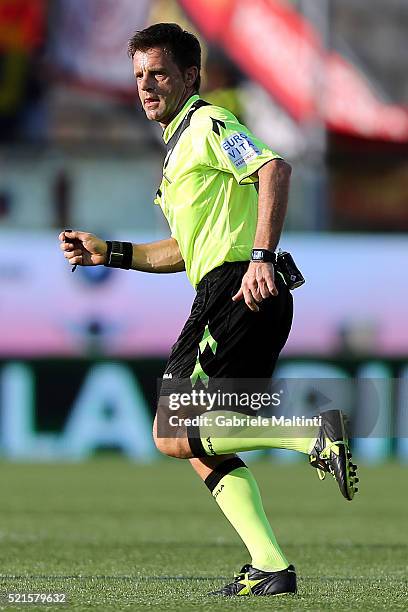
(117, 536)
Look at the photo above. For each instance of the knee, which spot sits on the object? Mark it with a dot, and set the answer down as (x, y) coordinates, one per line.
(167, 446)
(178, 448)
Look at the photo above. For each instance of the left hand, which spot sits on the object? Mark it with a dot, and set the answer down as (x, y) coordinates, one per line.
(257, 284)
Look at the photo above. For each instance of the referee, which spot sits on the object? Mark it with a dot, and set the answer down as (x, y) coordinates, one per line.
(224, 194)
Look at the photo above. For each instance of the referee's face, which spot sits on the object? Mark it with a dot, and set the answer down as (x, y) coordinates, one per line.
(163, 88)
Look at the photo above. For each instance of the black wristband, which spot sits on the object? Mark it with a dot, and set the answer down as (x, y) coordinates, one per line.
(119, 254)
(263, 255)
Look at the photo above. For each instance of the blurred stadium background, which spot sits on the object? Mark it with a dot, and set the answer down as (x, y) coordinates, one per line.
(323, 82)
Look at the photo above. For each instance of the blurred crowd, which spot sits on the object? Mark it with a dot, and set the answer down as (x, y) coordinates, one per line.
(67, 97)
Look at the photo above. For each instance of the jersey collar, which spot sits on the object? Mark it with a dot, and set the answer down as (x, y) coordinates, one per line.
(173, 125)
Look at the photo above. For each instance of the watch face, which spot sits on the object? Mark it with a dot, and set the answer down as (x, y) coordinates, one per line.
(257, 254)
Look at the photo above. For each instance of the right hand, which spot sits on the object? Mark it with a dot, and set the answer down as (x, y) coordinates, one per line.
(83, 249)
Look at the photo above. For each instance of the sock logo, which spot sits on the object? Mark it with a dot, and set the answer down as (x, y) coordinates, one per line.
(218, 491)
(210, 446)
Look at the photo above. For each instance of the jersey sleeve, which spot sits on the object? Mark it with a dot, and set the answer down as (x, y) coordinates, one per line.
(225, 144)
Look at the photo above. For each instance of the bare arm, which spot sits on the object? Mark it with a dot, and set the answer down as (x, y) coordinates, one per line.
(160, 257)
(85, 249)
(273, 192)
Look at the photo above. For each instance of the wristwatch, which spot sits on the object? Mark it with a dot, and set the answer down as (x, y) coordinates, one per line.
(263, 255)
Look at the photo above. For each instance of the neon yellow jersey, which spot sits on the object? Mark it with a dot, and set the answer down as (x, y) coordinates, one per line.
(208, 192)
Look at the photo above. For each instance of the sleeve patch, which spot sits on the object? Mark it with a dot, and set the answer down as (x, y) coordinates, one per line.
(240, 149)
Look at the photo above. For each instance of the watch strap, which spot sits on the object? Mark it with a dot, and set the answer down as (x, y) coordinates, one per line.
(263, 255)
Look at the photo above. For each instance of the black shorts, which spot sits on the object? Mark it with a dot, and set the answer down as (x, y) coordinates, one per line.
(225, 339)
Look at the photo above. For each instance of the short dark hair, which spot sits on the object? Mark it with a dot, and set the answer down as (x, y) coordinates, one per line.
(183, 46)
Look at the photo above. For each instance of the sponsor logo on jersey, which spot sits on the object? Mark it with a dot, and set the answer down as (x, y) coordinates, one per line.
(240, 149)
